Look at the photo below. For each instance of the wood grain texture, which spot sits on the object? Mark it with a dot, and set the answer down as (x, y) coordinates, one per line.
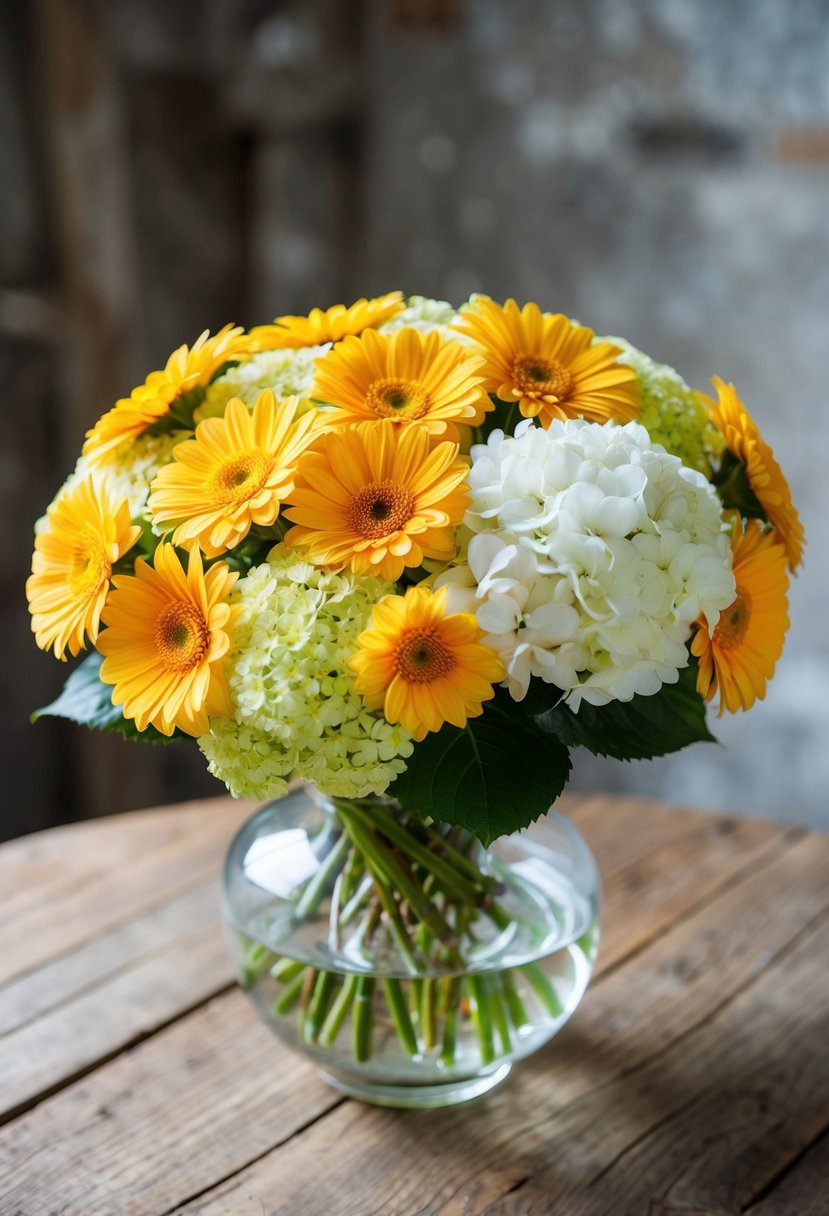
(694, 1078)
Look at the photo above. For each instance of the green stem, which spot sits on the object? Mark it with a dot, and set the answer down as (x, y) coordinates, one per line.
(396, 925)
(544, 988)
(449, 1046)
(351, 873)
(256, 960)
(515, 1006)
(361, 1023)
(428, 1014)
(481, 1016)
(317, 888)
(450, 879)
(399, 1010)
(286, 969)
(393, 873)
(324, 987)
(499, 1016)
(290, 994)
(357, 900)
(339, 1011)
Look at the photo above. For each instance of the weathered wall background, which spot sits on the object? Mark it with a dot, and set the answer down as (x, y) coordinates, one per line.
(656, 167)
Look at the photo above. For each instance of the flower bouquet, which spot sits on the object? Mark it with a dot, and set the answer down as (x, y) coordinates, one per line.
(411, 557)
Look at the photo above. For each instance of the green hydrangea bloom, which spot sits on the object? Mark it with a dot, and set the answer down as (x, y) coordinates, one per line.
(290, 373)
(296, 709)
(672, 413)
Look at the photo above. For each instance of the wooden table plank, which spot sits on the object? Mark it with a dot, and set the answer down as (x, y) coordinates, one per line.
(180, 1112)
(65, 887)
(206, 1121)
(803, 1192)
(151, 990)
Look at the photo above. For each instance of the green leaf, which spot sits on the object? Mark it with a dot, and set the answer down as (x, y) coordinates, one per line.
(495, 776)
(87, 700)
(734, 488)
(639, 729)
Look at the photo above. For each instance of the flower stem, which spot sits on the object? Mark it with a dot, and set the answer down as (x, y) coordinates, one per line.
(339, 1011)
(399, 1010)
(515, 1006)
(363, 1018)
(428, 1014)
(544, 988)
(317, 888)
(286, 968)
(324, 986)
(481, 1016)
(451, 880)
(449, 1046)
(290, 994)
(391, 872)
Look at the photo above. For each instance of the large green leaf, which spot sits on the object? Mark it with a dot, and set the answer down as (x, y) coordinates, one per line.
(638, 729)
(493, 777)
(87, 700)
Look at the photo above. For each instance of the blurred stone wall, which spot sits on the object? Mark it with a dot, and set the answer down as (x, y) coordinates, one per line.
(658, 168)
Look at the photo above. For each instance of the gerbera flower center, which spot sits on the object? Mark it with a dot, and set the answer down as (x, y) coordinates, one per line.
(390, 398)
(533, 375)
(421, 656)
(733, 622)
(380, 509)
(241, 476)
(181, 636)
(88, 564)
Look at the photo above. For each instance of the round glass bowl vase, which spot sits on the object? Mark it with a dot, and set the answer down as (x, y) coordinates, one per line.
(411, 963)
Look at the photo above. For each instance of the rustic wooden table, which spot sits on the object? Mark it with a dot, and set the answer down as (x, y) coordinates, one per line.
(136, 1081)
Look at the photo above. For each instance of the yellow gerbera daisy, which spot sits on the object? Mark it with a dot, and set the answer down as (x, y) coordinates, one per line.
(235, 473)
(742, 438)
(422, 667)
(88, 530)
(378, 498)
(188, 368)
(331, 325)
(550, 366)
(406, 376)
(166, 636)
(741, 654)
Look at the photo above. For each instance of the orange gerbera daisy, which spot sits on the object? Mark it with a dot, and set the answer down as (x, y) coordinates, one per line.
(87, 531)
(406, 376)
(188, 368)
(378, 498)
(235, 473)
(332, 325)
(166, 637)
(769, 486)
(422, 667)
(550, 366)
(741, 654)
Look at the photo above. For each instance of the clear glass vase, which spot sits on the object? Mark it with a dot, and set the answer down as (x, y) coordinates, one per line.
(412, 964)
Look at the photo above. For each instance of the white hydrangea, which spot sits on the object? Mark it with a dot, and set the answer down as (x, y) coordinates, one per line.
(593, 553)
(426, 315)
(296, 709)
(290, 373)
(128, 470)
